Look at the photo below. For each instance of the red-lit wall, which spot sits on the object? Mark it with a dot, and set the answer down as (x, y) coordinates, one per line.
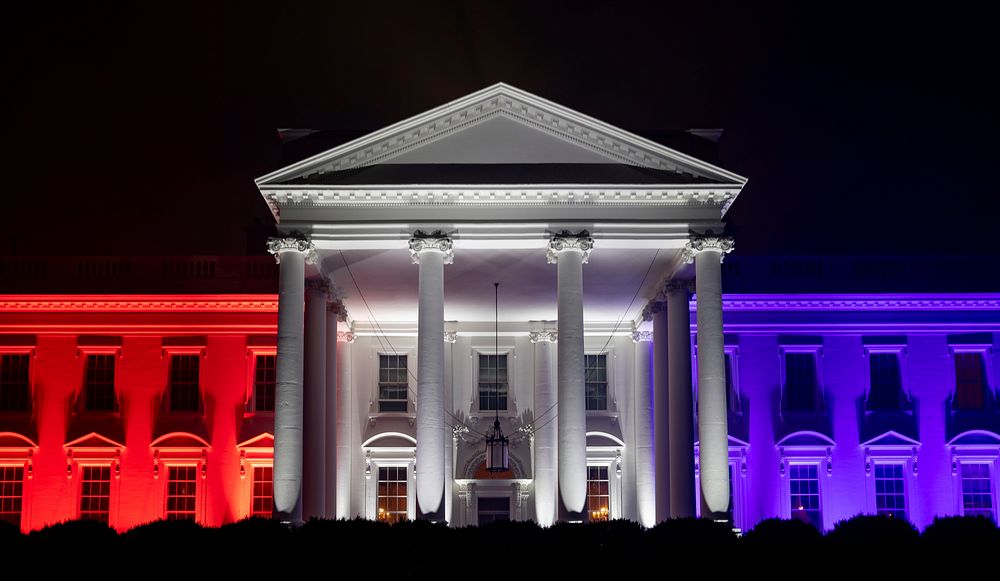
(143, 329)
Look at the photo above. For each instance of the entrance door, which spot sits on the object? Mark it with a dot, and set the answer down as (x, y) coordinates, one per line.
(493, 509)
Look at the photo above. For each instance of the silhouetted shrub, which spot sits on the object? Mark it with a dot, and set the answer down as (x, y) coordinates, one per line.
(961, 530)
(873, 529)
(11, 539)
(74, 537)
(689, 531)
(776, 531)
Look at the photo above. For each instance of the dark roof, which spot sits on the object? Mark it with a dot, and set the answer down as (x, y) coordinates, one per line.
(503, 173)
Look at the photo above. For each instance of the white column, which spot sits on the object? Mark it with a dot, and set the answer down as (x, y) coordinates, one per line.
(661, 410)
(546, 433)
(314, 402)
(645, 473)
(569, 253)
(344, 451)
(291, 254)
(681, 401)
(713, 432)
(431, 253)
(333, 313)
(449, 434)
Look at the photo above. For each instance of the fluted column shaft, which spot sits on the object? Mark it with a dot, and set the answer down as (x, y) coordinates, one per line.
(314, 403)
(645, 470)
(713, 431)
(330, 415)
(546, 431)
(430, 253)
(661, 412)
(291, 254)
(344, 388)
(570, 253)
(681, 402)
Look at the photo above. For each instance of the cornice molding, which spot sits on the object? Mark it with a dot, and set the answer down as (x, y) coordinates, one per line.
(828, 303)
(499, 195)
(504, 101)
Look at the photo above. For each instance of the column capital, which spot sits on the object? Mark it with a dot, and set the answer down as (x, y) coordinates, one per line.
(450, 336)
(422, 241)
(345, 337)
(564, 241)
(337, 307)
(277, 246)
(655, 305)
(642, 336)
(709, 243)
(548, 336)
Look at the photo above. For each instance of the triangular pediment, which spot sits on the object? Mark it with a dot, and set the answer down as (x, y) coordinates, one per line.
(503, 126)
(264, 440)
(93, 440)
(891, 439)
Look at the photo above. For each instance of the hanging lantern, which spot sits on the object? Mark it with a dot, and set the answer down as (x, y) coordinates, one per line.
(497, 458)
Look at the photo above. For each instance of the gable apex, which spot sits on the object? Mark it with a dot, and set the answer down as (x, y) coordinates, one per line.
(577, 134)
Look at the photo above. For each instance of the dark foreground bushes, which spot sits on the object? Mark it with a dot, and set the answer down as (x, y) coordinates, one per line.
(422, 548)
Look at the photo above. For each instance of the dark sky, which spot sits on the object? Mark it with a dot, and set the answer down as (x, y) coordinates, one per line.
(863, 128)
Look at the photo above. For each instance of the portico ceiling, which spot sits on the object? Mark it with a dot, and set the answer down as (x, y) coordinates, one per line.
(388, 281)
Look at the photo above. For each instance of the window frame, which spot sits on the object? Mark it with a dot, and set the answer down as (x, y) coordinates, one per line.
(32, 354)
(610, 457)
(986, 353)
(85, 352)
(511, 354)
(169, 354)
(733, 375)
(891, 455)
(250, 398)
(822, 459)
(25, 464)
(376, 458)
(975, 454)
(251, 466)
(373, 401)
(611, 399)
(199, 490)
(820, 396)
(112, 465)
(901, 352)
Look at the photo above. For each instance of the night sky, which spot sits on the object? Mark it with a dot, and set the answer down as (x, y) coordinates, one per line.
(862, 129)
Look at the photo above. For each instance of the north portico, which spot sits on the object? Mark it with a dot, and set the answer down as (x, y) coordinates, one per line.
(388, 248)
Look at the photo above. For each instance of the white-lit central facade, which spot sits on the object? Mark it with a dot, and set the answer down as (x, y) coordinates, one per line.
(390, 369)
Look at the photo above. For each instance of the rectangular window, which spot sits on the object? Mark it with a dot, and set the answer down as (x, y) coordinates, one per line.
(493, 509)
(15, 393)
(596, 378)
(492, 382)
(598, 493)
(977, 490)
(890, 490)
(801, 384)
(99, 383)
(264, 382)
(182, 492)
(261, 496)
(803, 486)
(391, 500)
(11, 494)
(95, 493)
(970, 380)
(184, 396)
(732, 394)
(886, 392)
(392, 383)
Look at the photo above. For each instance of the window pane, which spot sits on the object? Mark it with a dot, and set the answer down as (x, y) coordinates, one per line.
(11, 490)
(182, 488)
(803, 485)
(95, 493)
(14, 387)
(977, 490)
(800, 382)
(391, 494)
(393, 383)
(969, 381)
(99, 383)
(886, 382)
(262, 499)
(890, 497)
(598, 493)
(265, 381)
(492, 382)
(184, 395)
(596, 386)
